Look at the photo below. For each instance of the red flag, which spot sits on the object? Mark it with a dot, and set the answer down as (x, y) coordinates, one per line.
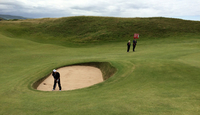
(136, 36)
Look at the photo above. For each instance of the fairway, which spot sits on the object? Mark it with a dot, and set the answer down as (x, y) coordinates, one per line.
(161, 77)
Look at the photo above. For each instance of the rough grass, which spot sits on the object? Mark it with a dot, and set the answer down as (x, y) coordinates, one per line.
(84, 29)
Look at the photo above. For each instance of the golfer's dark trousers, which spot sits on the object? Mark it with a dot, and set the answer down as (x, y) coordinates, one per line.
(128, 48)
(54, 86)
(134, 47)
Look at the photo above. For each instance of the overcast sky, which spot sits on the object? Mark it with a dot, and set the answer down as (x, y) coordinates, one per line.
(184, 9)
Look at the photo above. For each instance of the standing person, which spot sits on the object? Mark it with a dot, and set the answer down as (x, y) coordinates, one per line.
(128, 45)
(134, 44)
(56, 76)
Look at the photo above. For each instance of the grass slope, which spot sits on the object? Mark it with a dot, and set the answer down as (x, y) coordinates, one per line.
(97, 29)
(161, 77)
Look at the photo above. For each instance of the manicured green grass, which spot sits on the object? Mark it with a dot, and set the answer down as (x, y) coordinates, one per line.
(162, 77)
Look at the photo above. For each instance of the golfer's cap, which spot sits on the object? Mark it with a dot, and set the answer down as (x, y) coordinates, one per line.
(54, 70)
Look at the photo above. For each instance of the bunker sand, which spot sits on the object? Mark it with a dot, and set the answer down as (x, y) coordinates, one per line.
(73, 77)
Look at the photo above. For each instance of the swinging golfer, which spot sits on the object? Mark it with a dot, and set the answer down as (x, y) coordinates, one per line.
(56, 76)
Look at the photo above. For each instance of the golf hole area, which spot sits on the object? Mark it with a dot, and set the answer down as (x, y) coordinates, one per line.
(77, 76)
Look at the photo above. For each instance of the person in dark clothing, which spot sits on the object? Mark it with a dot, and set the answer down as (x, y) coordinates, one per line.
(128, 45)
(56, 76)
(134, 44)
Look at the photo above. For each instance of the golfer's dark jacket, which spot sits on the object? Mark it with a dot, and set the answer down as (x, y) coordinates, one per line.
(56, 75)
(134, 42)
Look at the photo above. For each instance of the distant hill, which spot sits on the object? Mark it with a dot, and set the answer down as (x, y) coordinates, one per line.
(83, 29)
(8, 17)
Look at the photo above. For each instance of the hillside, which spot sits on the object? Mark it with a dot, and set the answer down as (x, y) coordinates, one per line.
(96, 29)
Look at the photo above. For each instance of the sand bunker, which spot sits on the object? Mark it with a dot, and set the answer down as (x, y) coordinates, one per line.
(73, 77)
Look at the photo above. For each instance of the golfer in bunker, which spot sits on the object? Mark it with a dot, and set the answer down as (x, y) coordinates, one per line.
(56, 76)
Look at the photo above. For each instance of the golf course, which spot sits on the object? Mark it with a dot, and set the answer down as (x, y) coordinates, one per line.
(162, 76)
